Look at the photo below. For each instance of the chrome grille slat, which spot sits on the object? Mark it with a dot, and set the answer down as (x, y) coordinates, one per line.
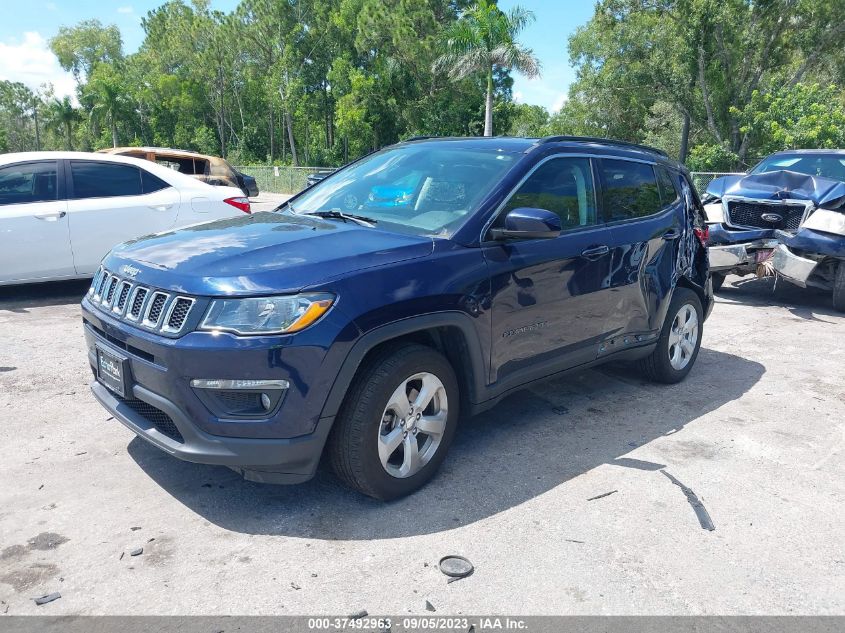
(177, 314)
(121, 296)
(136, 306)
(110, 287)
(140, 305)
(155, 309)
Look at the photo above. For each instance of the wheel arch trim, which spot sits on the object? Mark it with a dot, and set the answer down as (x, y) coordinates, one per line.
(403, 327)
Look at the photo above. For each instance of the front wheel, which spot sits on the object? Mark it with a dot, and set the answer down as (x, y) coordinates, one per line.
(396, 423)
(679, 342)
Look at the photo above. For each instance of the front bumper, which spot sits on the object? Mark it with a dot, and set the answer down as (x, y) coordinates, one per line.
(736, 249)
(161, 407)
(280, 461)
(792, 267)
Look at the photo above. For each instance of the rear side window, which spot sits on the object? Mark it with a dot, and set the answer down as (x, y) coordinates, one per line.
(104, 180)
(29, 182)
(151, 182)
(563, 186)
(629, 190)
(668, 190)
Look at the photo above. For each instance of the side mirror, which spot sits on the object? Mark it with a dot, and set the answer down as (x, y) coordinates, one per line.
(526, 223)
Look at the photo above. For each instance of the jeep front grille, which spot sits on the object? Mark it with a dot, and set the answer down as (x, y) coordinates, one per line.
(140, 305)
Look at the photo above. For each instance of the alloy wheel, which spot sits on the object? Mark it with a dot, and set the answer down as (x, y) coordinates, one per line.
(412, 425)
(683, 336)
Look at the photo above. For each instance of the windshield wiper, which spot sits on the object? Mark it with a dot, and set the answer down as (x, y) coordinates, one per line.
(337, 214)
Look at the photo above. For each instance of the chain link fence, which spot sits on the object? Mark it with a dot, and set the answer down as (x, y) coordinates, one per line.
(272, 179)
(703, 178)
(292, 179)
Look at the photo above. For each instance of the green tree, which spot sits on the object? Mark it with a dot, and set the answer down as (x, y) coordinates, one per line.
(106, 93)
(80, 48)
(796, 116)
(484, 38)
(61, 117)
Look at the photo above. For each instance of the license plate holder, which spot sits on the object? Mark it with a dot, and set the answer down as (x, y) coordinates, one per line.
(113, 371)
(763, 254)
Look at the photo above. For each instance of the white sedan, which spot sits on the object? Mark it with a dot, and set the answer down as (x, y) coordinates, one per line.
(61, 212)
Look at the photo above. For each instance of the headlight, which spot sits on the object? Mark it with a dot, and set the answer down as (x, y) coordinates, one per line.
(266, 315)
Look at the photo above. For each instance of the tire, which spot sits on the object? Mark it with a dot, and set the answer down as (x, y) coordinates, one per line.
(718, 281)
(659, 366)
(371, 419)
(839, 287)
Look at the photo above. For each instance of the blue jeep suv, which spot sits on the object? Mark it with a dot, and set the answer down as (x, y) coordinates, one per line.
(265, 342)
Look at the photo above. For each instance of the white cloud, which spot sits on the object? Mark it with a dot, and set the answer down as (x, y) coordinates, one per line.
(51, 6)
(558, 104)
(32, 63)
(517, 96)
(126, 9)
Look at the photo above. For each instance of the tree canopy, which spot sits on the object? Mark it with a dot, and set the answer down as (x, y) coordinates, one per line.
(717, 83)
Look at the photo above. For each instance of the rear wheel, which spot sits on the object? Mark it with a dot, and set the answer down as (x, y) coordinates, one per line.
(396, 423)
(679, 342)
(718, 281)
(839, 287)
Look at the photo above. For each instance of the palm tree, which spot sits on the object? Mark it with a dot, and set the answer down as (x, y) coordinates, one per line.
(106, 93)
(61, 115)
(485, 37)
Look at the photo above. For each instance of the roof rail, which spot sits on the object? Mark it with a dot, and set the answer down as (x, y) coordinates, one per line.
(603, 141)
(418, 138)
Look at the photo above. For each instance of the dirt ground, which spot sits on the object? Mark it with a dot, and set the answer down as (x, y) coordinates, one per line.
(755, 436)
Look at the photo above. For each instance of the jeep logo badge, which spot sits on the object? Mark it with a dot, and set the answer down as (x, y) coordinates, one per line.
(774, 218)
(131, 271)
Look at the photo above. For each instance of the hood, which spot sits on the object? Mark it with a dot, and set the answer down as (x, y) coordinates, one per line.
(781, 185)
(262, 253)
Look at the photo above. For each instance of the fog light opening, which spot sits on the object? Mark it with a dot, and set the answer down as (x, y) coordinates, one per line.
(240, 398)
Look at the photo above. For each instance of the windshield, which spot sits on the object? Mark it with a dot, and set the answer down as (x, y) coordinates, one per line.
(423, 189)
(824, 165)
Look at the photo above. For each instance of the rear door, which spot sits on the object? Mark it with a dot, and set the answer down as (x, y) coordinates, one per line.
(549, 296)
(34, 238)
(645, 216)
(110, 203)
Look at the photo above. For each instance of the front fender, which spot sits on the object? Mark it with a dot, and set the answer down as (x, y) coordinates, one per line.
(404, 327)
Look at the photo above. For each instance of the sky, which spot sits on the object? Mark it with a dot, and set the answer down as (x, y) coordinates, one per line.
(27, 26)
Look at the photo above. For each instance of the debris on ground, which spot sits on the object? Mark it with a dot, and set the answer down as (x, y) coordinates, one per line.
(137, 551)
(561, 410)
(700, 511)
(135, 528)
(48, 598)
(122, 554)
(293, 585)
(572, 540)
(456, 567)
(41, 486)
(429, 606)
(602, 496)
(359, 614)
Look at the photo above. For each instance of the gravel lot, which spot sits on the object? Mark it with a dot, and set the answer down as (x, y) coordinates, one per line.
(757, 432)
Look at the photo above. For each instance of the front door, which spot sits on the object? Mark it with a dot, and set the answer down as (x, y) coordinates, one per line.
(34, 239)
(549, 296)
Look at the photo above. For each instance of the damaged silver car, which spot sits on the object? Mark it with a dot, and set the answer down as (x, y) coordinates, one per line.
(785, 218)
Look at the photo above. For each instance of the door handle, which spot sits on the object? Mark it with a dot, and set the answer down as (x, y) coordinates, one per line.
(672, 234)
(51, 217)
(160, 207)
(594, 252)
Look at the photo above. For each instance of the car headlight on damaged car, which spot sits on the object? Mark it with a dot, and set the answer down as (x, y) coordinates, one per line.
(266, 315)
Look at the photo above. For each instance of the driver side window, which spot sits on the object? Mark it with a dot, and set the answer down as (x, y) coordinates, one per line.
(563, 186)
